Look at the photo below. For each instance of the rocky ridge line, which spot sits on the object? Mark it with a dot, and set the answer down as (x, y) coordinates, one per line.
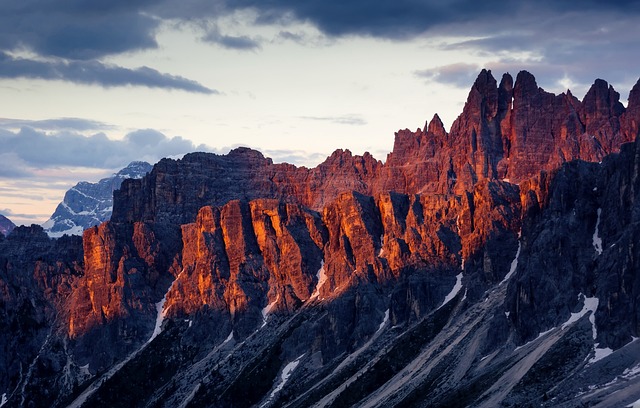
(364, 274)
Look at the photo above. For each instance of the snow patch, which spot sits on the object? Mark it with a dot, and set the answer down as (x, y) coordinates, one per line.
(322, 279)
(4, 399)
(634, 405)
(82, 194)
(75, 230)
(600, 354)
(514, 264)
(454, 291)
(268, 309)
(597, 241)
(631, 372)
(384, 321)
(228, 339)
(162, 312)
(160, 315)
(48, 224)
(590, 305)
(284, 377)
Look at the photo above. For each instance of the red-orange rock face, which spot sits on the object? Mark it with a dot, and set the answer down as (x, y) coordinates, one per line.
(267, 256)
(105, 293)
(240, 258)
(252, 237)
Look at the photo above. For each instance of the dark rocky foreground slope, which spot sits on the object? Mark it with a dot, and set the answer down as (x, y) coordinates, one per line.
(472, 268)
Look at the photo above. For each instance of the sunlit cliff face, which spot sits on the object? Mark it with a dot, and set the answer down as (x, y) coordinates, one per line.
(453, 193)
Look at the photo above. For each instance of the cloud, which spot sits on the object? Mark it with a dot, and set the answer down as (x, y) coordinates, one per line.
(241, 42)
(12, 166)
(69, 39)
(38, 167)
(11, 214)
(353, 120)
(572, 47)
(296, 157)
(299, 38)
(95, 73)
(6, 211)
(460, 74)
(30, 153)
(80, 30)
(76, 30)
(30, 149)
(403, 19)
(77, 124)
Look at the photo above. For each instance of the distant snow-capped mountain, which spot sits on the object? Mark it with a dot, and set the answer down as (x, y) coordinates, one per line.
(6, 226)
(88, 204)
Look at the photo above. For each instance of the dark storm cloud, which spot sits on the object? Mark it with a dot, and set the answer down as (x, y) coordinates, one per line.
(32, 149)
(73, 35)
(568, 39)
(78, 30)
(77, 34)
(406, 18)
(578, 46)
(95, 73)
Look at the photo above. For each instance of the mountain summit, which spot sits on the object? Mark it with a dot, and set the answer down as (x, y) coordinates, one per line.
(491, 265)
(88, 204)
(6, 226)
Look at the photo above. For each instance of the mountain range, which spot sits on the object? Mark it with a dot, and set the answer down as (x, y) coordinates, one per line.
(491, 265)
(88, 204)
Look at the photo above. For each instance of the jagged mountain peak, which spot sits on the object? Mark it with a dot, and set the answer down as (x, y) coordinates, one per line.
(436, 127)
(88, 204)
(506, 82)
(6, 225)
(135, 169)
(526, 81)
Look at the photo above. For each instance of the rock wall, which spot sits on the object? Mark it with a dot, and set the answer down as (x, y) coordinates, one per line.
(332, 258)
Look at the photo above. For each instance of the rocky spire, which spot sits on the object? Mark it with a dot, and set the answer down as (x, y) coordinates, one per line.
(436, 127)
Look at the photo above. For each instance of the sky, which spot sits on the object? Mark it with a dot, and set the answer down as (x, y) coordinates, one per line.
(88, 86)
